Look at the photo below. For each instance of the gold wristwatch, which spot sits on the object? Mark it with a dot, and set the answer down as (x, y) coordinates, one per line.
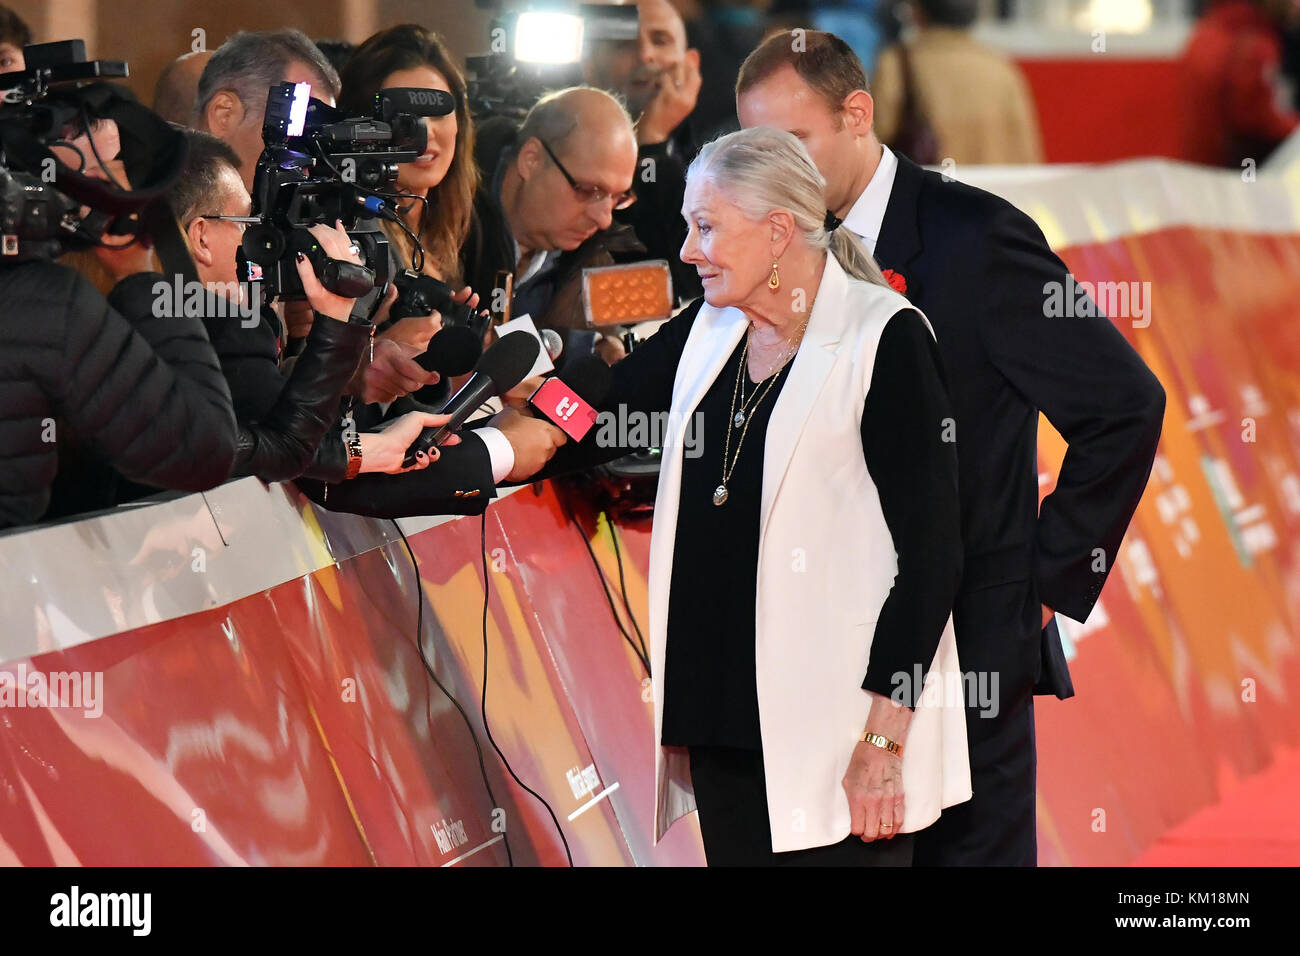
(881, 741)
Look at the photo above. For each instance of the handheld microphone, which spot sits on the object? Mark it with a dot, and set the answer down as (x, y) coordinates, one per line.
(524, 323)
(554, 344)
(452, 351)
(569, 405)
(501, 368)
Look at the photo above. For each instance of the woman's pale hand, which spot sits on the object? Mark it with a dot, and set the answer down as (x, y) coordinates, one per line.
(337, 245)
(383, 451)
(874, 779)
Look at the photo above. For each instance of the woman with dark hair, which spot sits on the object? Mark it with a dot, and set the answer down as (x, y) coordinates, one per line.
(412, 56)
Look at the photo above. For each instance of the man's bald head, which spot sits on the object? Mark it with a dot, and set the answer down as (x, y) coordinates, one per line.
(581, 131)
(597, 114)
(177, 90)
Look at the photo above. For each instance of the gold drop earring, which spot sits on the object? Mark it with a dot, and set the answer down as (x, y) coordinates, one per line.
(774, 280)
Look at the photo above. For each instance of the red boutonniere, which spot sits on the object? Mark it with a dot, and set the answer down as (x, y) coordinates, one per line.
(895, 280)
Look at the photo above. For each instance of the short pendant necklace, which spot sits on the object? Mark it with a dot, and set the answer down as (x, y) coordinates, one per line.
(791, 346)
(739, 418)
(746, 404)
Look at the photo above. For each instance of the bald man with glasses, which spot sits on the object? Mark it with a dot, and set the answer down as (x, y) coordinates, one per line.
(555, 184)
(592, 131)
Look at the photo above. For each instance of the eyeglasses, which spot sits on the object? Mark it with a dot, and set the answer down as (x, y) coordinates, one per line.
(242, 221)
(591, 194)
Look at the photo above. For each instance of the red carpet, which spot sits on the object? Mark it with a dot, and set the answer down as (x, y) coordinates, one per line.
(1256, 824)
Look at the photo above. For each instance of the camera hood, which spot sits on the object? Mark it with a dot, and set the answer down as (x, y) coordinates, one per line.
(152, 150)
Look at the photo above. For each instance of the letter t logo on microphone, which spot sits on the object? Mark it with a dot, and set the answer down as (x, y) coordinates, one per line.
(563, 408)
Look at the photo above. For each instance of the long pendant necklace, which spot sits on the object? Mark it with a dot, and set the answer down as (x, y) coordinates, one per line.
(742, 417)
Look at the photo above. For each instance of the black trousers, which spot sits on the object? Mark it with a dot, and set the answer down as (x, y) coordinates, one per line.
(998, 825)
(731, 797)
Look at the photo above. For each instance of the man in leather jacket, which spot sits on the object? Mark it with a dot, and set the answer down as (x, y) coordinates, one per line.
(282, 421)
(290, 425)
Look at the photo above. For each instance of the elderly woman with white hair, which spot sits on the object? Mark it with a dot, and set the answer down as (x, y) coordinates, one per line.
(806, 549)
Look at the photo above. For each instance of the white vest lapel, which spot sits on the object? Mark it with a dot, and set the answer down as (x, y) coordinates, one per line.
(714, 335)
(808, 373)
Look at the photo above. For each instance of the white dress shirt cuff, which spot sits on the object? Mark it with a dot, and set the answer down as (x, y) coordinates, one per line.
(500, 451)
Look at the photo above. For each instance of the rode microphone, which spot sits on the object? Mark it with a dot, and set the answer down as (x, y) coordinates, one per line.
(569, 405)
(501, 368)
(452, 351)
(395, 100)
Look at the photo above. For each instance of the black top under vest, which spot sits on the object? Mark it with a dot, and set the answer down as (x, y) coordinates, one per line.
(710, 683)
(711, 697)
(909, 448)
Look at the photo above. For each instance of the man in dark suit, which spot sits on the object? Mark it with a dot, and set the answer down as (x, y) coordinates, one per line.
(983, 274)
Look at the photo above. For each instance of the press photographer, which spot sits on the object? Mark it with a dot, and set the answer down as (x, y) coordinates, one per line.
(659, 79)
(234, 85)
(433, 196)
(142, 393)
(231, 105)
(558, 179)
(284, 419)
(232, 96)
(320, 163)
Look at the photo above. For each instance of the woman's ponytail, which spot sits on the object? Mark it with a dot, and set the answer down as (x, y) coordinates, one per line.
(853, 257)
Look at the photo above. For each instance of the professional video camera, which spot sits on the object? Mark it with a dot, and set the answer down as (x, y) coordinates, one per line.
(320, 166)
(42, 199)
(539, 50)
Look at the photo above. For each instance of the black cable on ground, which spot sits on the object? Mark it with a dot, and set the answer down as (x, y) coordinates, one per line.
(419, 646)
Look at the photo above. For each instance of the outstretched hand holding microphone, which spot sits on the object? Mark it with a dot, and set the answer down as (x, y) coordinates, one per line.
(501, 369)
(565, 406)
